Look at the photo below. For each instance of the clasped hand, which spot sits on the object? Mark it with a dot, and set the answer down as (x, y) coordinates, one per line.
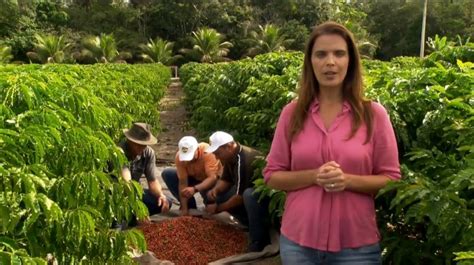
(188, 192)
(330, 177)
(211, 208)
(212, 195)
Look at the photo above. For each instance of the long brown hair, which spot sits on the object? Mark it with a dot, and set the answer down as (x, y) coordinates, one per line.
(352, 90)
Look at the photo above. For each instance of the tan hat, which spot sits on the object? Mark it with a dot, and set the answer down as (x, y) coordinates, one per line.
(187, 147)
(140, 133)
(218, 139)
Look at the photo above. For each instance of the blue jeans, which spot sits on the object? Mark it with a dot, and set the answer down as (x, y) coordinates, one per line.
(151, 202)
(257, 214)
(170, 177)
(292, 253)
(252, 213)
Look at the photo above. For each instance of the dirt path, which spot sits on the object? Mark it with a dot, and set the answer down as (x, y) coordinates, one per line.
(174, 124)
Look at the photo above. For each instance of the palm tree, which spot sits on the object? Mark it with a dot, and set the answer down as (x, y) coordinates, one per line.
(158, 51)
(49, 49)
(102, 49)
(366, 44)
(207, 46)
(5, 54)
(366, 48)
(266, 39)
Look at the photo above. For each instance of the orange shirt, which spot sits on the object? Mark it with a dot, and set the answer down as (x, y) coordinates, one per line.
(204, 166)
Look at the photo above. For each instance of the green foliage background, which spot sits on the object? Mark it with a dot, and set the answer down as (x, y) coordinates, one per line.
(52, 114)
(59, 127)
(392, 26)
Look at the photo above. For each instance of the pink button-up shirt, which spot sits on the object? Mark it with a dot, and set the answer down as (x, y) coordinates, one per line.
(331, 221)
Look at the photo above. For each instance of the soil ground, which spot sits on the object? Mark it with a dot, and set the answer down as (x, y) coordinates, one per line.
(174, 125)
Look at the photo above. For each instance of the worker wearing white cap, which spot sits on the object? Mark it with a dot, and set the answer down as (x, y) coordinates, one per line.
(234, 192)
(196, 171)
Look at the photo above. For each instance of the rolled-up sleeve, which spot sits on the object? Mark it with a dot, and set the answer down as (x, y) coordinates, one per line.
(150, 169)
(385, 155)
(279, 157)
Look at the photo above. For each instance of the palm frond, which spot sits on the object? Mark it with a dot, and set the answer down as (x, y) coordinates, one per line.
(158, 51)
(267, 39)
(101, 48)
(50, 49)
(208, 46)
(5, 54)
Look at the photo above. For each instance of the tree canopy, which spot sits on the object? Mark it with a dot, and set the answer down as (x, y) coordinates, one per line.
(384, 29)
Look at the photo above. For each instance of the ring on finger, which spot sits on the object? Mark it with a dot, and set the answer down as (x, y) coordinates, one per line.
(332, 185)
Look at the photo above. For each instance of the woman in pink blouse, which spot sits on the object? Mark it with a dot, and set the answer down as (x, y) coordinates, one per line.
(332, 152)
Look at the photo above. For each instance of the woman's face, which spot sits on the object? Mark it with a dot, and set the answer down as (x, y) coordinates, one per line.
(330, 59)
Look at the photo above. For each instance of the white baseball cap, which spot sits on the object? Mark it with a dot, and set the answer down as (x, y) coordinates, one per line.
(217, 140)
(187, 146)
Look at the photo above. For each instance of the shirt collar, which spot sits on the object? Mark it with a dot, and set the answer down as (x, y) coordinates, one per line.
(314, 106)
